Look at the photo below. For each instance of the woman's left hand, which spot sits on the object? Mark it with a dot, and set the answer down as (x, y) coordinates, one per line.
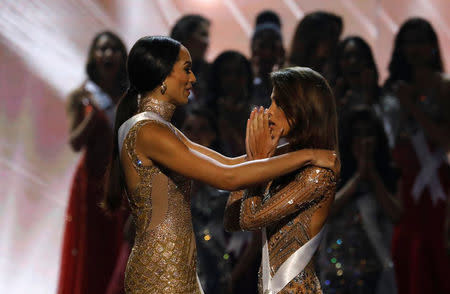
(260, 142)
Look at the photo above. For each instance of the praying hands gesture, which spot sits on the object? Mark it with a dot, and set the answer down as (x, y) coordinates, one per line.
(261, 142)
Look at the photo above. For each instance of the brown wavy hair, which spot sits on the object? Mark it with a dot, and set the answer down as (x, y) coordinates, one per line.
(308, 103)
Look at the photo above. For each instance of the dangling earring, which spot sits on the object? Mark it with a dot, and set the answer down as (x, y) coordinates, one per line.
(139, 100)
(163, 88)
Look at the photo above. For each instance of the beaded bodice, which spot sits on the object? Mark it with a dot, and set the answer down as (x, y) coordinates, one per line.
(285, 209)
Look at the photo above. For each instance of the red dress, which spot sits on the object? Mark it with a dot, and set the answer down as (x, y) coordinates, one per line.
(422, 265)
(92, 239)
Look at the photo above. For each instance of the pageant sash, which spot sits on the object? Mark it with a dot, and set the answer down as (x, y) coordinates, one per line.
(367, 207)
(199, 284)
(102, 101)
(126, 126)
(293, 266)
(428, 175)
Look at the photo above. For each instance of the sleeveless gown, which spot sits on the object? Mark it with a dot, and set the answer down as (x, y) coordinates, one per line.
(92, 240)
(163, 258)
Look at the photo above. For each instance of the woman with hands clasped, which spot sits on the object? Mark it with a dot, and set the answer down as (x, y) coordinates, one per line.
(355, 254)
(291, 209)
(418, 91)
(153, 164)
(92, 240)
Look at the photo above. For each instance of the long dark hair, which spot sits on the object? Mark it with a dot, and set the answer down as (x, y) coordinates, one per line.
(150, 61)
(314, 28)
(366, 52)
(186, 26)
(382, 157)
(365, 49)
(399, 68)
(214, 90)
(91, 68)
(308, 103)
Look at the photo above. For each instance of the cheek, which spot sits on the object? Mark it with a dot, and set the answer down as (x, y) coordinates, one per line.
(184, 80)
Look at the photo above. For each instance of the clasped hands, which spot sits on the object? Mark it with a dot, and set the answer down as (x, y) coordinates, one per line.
(262, 141)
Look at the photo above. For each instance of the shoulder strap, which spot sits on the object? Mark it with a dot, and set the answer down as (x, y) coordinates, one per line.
(126, 126)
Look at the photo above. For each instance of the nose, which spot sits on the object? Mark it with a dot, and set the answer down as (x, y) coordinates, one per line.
(108, 52)
(193, 79)
(269, 111)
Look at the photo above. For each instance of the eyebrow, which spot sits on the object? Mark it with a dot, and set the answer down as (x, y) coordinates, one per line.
(188, 62)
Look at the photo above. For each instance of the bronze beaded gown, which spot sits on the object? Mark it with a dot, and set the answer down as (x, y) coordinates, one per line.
(285, 209)
(163, 259)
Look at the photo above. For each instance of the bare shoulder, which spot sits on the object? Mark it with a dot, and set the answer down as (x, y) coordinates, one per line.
(153, 130)
(155, 135)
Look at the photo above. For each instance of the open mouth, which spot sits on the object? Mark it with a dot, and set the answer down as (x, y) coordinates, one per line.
(108, 64)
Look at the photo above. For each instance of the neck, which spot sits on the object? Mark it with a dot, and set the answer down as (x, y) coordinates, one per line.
(164, 108)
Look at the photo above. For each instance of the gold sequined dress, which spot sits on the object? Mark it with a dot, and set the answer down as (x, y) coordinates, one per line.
(285, 209)
(163, 259)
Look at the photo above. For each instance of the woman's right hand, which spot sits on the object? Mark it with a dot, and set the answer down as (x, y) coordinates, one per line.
(260, 142)
(326, 159)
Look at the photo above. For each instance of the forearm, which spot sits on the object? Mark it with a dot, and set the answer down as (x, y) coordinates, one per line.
(219, 157)
(308, 185)
(232, 211)
(388, 202)
(260, 171)
(80, 134)
(250, 205)
(211, 153)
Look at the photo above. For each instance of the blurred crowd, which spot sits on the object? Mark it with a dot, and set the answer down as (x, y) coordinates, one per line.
(388, 231)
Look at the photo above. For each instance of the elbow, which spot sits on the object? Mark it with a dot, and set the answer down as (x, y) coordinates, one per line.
(231, 181)
(245, 223)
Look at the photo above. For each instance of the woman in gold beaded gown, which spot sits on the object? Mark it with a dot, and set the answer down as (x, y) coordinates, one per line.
(153, 163)
(291, 209)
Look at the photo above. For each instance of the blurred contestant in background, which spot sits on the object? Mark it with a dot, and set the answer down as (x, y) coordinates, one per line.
(91, 238)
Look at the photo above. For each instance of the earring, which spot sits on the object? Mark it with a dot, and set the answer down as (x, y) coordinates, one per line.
(139, 100)
(163, 88)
